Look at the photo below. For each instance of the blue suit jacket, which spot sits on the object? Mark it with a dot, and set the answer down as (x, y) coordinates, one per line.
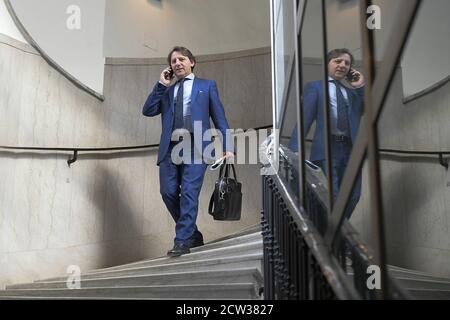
(313, 111)
(205, 103)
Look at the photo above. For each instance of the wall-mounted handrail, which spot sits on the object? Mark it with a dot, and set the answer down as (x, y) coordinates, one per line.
(76, 150)
(440, 154)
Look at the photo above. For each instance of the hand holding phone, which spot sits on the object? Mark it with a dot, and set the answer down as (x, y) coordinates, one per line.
(166, 76)
(352, 76)
(355, 78)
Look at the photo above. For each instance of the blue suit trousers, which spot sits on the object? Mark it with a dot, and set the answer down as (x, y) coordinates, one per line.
(180, 186)
(341, 152)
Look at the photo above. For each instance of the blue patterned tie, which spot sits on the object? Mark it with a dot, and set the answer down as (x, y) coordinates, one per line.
(179, 122)
(342, 105)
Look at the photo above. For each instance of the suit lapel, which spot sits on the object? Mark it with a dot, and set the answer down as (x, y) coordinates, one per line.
(195, 90)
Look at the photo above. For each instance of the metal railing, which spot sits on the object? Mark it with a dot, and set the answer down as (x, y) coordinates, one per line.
(298, 263)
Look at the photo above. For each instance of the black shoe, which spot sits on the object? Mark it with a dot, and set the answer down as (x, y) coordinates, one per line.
(196, 240)
(196, 243)
(178, 250)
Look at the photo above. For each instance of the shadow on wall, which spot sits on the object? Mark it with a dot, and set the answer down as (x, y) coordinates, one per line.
(403, 200)
(100, 187)
(115, 198)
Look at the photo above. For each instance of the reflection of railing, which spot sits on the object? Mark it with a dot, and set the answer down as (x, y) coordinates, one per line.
(293, 240)
(440, 154)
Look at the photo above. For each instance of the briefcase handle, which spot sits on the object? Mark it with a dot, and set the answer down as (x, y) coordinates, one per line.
(211, 205)
(227, 171)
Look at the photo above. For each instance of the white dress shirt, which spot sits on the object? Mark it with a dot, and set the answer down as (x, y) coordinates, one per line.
(333, 105)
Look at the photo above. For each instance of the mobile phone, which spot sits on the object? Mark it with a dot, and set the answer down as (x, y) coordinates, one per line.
(352, 76)
(169, 74)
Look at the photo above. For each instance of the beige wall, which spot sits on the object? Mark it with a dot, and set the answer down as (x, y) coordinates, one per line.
(137, 29)
(150, 28)
(78, 51)
(105, 209)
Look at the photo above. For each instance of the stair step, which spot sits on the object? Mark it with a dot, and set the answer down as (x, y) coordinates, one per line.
(429, 294)
(398, 272)
(423, 284)
(226, 268)
(246, 239)
(210, 291)
(223, 252)
(251, 229)
(253, 260)
(243, 275)
(243, 239)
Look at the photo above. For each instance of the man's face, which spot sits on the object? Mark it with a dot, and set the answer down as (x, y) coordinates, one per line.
(181, 65)
(339, 67)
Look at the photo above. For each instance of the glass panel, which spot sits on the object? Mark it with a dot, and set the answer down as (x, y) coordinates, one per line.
(287, 97)
(283, 51)
(292, 176)
(289, 116)
(415, 187)
(358, 236)
(360, 202)
(312, 75)
(346, 96)
(383, 20)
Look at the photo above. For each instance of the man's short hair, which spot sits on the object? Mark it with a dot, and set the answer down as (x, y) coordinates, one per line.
(185, 52)
(336, 53)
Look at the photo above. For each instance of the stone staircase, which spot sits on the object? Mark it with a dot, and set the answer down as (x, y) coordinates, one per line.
(228, 268)
(421, 285)
(417, 284)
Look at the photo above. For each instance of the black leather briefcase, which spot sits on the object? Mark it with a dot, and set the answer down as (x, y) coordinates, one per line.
(226, 201)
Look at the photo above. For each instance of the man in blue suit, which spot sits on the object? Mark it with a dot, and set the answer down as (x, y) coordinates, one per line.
(186, 105)
(346, 91)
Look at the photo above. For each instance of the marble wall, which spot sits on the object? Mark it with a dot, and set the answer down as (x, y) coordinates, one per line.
(106, 208)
